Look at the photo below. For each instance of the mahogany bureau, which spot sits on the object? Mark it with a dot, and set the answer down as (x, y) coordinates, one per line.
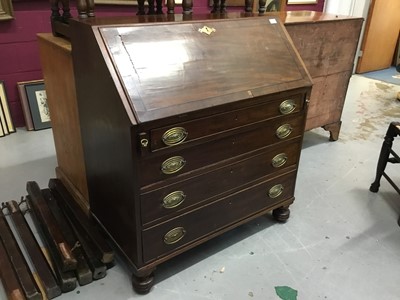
(189, 129)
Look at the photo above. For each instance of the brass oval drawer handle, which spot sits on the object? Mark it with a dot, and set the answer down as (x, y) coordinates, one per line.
(175, 235)
(284, 131)
(173, 165)
(279, 160)
(287, 107)
(275, 191)
(174, 136)
(173, 199)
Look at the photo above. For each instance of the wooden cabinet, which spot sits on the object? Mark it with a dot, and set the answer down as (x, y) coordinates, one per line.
(189, 129)
(327, 44)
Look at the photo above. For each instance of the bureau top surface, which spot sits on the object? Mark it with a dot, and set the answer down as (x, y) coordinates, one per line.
(168, 69)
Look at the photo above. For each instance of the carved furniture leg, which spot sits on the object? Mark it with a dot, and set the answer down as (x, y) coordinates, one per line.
(215, 6)
(81, 6)
(281, 214)
(55, 10)
(159, 7)
(66, 10)
(248, 5)
(90, 8)
(140, 7)
(151, 10)
(170, 6)
(391, 133)
(262, 6)
(143, 283)
(334, 130)
(223, 7)
(187, 6)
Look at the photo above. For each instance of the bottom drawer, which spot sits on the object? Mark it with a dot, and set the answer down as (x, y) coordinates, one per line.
(181, 231)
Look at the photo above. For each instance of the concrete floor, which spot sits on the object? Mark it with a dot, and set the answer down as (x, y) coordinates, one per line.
(341, 241)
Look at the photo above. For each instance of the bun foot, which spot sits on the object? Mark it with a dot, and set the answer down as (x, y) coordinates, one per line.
(142, 285)
(281, 214)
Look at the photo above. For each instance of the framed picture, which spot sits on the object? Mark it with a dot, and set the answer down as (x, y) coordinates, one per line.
(6, 10)
(8, 125)
(34, 104)
(302, 2)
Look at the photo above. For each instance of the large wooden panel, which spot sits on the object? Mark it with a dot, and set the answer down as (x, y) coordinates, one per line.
(380, 37)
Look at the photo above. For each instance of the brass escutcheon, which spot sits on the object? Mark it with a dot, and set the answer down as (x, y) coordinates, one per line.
(279, 160)
(284, 131)
(207, 30)
(275, 191)
(174, 136)
(173, 165)
(175, 235)
(287, 107)
(173, 199)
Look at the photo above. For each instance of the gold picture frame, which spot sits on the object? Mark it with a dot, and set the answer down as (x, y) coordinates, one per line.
(6, 10)
(289, 2)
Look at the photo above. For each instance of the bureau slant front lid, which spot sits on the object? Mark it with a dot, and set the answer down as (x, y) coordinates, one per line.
(168, 69)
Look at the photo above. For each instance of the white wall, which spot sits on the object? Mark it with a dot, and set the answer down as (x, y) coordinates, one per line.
(355, 8)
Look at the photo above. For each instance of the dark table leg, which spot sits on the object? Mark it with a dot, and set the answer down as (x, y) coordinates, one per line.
(384, 155)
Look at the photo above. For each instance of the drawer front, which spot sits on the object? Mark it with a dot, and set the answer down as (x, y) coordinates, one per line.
(186, 132)
(181, 231)
(174, 198)
(165, 166)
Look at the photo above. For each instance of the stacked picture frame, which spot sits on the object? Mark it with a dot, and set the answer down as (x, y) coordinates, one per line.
(34, 104)
(6, 122)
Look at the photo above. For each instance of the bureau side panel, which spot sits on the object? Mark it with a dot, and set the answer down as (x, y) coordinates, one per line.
(327, 99)
(107, 143)
(55, 55)
(326, 47)
(328, 50)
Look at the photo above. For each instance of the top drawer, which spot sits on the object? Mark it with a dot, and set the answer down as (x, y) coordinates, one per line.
(204, 127)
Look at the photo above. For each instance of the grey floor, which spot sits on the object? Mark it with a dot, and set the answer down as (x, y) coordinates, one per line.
(341, 241)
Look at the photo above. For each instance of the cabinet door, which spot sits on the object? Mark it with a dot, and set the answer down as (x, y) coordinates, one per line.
(380, 36)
